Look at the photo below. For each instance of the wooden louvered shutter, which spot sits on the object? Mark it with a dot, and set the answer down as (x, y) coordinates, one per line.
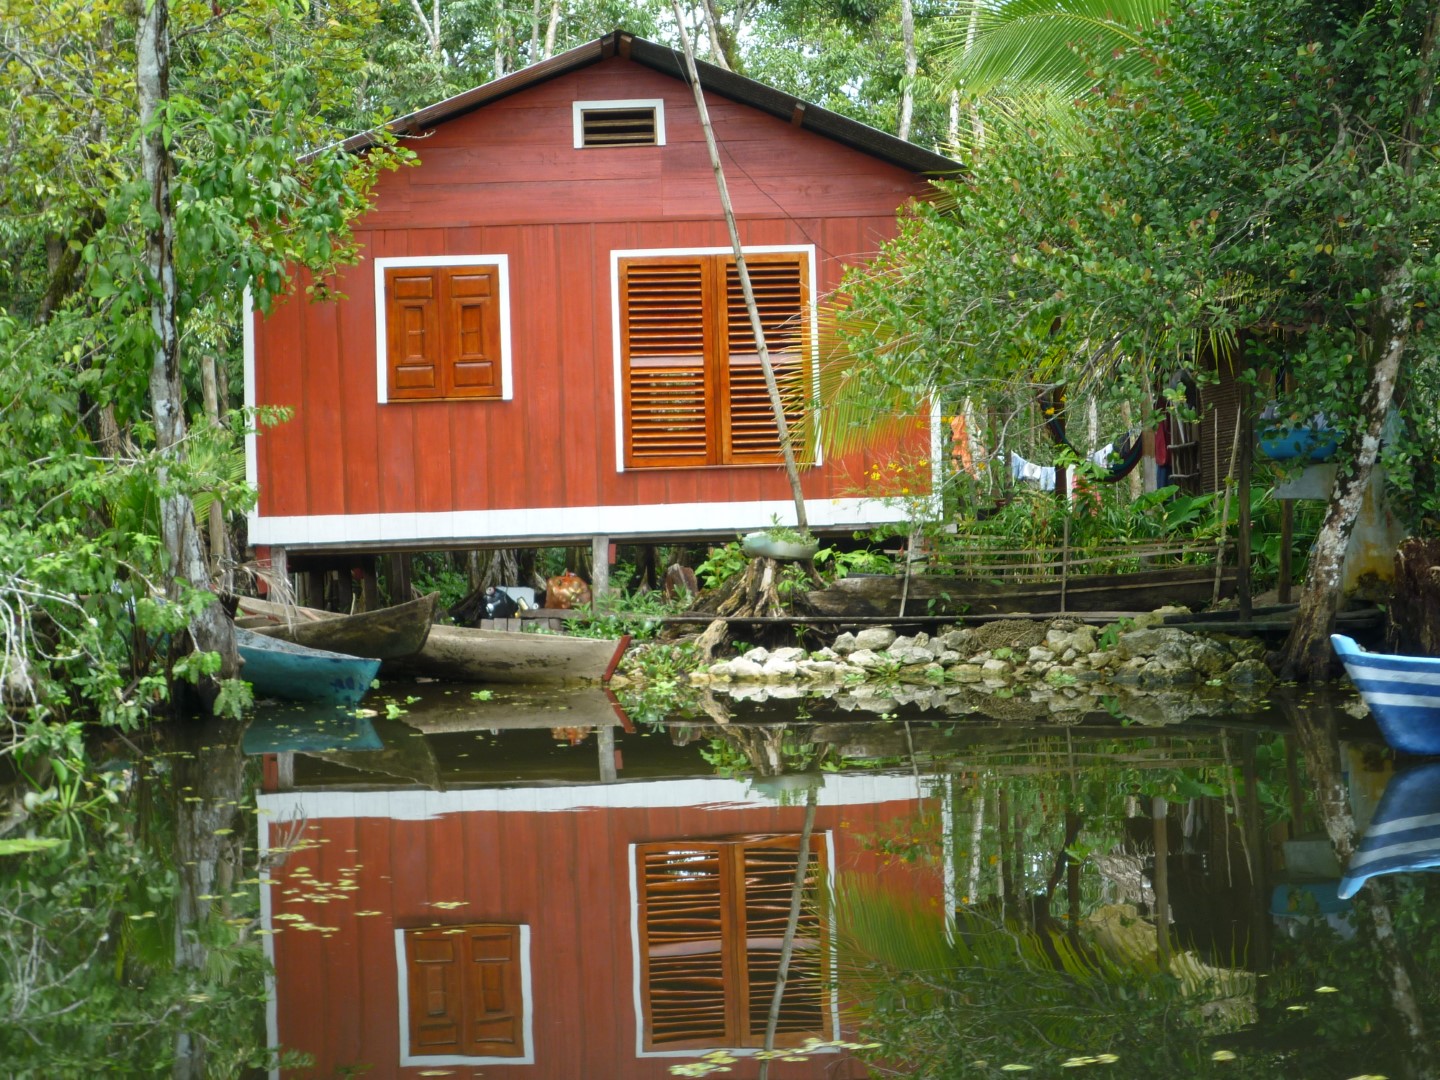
(472, 332)
(665, 381)
(768, 868)
(683, 922)
(434, 990)
(712, 921)
(781, 285)
(465, 991)
(412, 331)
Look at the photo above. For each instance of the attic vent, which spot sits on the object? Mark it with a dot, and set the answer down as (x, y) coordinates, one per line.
(619, 123)
(619, 127)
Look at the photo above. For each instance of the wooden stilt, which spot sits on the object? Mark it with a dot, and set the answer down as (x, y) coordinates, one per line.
(599, 566)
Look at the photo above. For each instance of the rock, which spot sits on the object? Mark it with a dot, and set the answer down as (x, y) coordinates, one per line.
(790, 653)
(1173, 656)
(1040, 667)
(776, 669)
(876, 638)
(819, 670)
(1208, 657)
(825, 654)
(742, 667)
(1146, 642)
(1040, 654)
(948, 657)
(1069, 655)
(912, 654)
(1250, 673)
(967, 673)
(844, 644)
(757, 655)
(919, 641)
(918, 673)
(1081, 639)
(959, 639)
(864, 658)
(1148, 619)
(1156, 674)
(1128, 673)
(994, 667)
(1101, 660)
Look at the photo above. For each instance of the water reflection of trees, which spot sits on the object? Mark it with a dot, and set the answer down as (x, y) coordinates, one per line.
(127, 949)
(1111, 896)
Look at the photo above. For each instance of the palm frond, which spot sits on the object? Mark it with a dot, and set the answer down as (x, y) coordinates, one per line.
(1033, 43)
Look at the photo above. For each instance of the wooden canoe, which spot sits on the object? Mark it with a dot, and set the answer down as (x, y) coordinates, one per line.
(387, 633)
(1141, 590)
(291, 672)
(465, 654)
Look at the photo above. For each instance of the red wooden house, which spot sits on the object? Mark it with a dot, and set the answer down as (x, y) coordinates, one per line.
(544, 339)
(559, 932)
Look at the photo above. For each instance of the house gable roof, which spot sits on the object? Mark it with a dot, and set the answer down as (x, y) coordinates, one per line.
(671, 62)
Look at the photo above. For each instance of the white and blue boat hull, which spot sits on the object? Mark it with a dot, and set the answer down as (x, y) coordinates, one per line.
(1403, 693)
(1404, 834)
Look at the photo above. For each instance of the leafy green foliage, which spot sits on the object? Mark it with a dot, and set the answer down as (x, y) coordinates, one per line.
(1258, 229)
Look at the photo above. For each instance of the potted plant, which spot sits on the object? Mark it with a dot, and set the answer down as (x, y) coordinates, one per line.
(779, 542)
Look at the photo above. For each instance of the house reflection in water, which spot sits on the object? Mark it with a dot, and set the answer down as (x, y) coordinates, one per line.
(579, 931)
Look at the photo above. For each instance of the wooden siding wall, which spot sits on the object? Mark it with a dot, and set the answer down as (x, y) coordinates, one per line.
(564, 874)
(507, 180)
(1219, 410)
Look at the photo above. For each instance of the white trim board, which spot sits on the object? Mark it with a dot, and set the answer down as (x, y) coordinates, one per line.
(502, 267)
(579, 108)
(840, 789)
(527, 998)
(617, 368)
(565, 521)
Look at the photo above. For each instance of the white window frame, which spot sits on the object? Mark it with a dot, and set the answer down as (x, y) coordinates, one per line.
(578, 110)
(501, 263)
(616, 254)
(823, 836)
(527, 998)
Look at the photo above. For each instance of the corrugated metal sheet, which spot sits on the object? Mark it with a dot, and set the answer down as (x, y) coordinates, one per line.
(671, 62)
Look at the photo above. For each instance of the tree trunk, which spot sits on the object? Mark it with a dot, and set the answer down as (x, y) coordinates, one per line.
(549, 49)
(1415, 605)
(211, 629)
(209, 853)
(1307, 654)
(1314, 727)
(721, 43)
(907, 90)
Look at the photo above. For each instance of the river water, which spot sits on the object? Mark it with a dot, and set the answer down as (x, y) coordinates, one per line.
(576, 885)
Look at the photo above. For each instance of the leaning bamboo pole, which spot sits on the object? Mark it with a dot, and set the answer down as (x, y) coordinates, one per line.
(786, 449)
(787, 944)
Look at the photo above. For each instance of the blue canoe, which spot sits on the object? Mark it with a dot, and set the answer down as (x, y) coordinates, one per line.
(1403, 693)
(1404, 834)
(281, 669)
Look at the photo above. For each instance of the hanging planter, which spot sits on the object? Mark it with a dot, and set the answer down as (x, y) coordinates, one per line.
(793, 548)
